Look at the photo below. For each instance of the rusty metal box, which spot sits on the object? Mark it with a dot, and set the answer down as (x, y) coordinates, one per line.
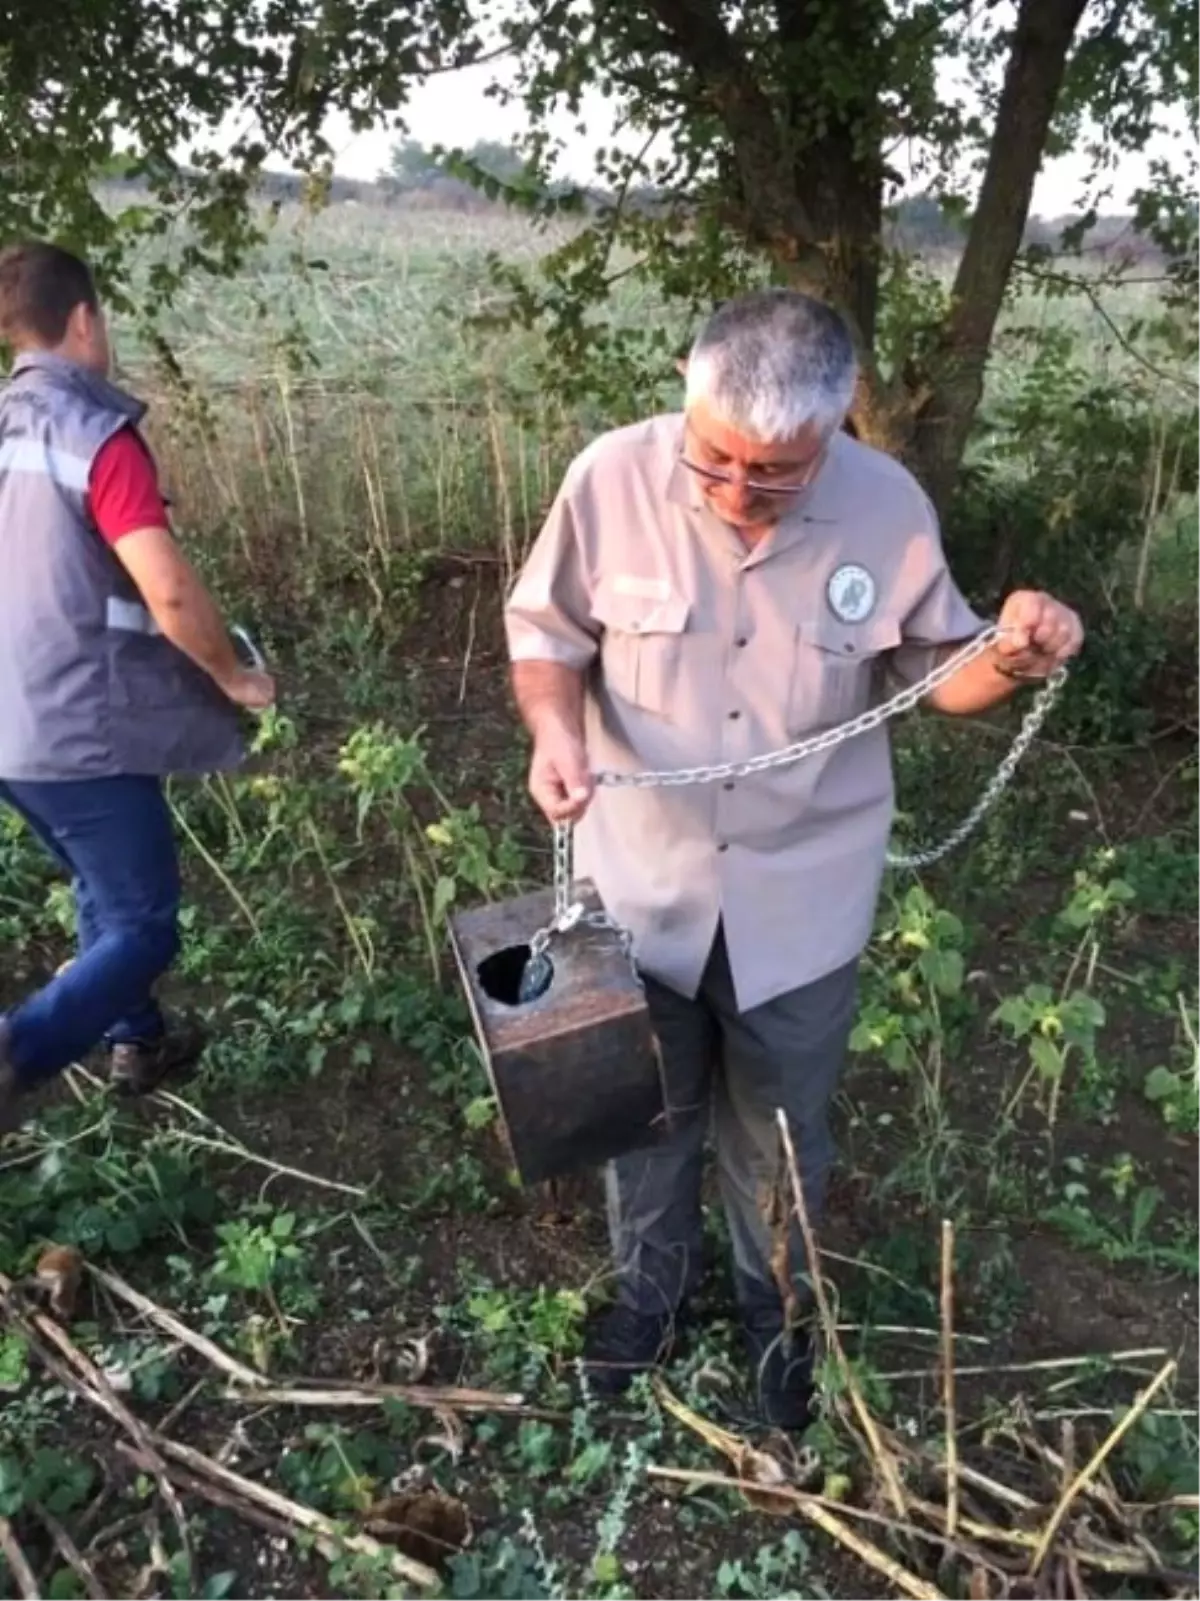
(576, 1072)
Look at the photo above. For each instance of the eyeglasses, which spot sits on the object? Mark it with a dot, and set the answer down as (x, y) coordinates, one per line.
(754, 486)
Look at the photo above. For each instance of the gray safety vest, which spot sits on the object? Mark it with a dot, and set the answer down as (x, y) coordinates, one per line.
(89, 688)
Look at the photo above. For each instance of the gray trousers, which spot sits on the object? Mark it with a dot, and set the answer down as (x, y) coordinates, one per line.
(731, 1069)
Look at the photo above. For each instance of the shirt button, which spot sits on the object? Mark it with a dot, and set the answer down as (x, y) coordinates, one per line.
(729, 785)
(848, 648)
(733, 716)
(742, 643)
(722, 846)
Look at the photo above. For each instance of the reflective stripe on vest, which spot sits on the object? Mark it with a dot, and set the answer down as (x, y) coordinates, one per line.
(129, 616)
(32, 456)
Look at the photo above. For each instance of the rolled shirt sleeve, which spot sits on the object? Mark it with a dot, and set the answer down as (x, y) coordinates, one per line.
(548, 616)
(940, 617)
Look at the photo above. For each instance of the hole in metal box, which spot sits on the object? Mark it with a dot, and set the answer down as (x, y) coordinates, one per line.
(501, 975)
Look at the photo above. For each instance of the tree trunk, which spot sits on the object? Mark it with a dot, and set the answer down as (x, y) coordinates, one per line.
(806, 181)
(835, 161)
(1032, 79)
(838, 178)
(844, 201)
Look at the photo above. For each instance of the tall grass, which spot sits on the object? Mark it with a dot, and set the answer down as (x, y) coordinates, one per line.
(346, 405)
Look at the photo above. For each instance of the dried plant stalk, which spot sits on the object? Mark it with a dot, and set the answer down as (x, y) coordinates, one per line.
(948, 1377)
(880, 1453)
(1096, 1461)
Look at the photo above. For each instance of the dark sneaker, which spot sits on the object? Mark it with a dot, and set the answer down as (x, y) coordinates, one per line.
(138, 1066)
(781, 1366)
(621, 1343)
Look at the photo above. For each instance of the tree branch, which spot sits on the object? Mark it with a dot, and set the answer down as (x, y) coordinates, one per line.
(1081, 286)
(1032, 79)
(703, 43)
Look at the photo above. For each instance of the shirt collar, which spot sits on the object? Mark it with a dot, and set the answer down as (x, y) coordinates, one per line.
(69, 373)
(816, 504)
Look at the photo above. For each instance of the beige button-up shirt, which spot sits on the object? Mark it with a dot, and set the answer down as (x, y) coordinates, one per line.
(697, 651)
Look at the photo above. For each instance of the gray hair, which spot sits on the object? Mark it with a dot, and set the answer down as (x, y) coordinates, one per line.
(772, 363)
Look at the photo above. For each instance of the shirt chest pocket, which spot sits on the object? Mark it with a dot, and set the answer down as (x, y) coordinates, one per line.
(836, 669)
(641, 651)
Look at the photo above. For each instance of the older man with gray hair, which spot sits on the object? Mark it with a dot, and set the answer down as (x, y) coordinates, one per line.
(709, 587)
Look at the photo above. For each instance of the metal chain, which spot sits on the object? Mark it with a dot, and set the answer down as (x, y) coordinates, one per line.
(569, 913)
(1039, 710)
(816, 744)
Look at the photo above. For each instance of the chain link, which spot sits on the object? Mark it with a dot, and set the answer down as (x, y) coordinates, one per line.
(1039, 710)
(816, 744)
(570, 913)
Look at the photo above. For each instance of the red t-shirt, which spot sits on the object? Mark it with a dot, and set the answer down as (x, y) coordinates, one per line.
(123, 492)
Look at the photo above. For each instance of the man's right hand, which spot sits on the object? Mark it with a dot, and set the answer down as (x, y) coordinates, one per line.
(560, 780)
(251, 688)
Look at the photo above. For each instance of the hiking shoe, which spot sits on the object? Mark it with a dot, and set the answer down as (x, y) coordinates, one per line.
(781, 1366)
(621, 1343)
(138, 1066)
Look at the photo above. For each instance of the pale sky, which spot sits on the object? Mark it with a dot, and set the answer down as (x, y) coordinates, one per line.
(453, 110)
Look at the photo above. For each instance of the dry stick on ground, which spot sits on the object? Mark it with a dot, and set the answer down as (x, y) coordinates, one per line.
(1092, 1467)
(1105, 1561)
(817, 1511)
(119, 1527)
(279, 1169)
(18, 1562)
(883, 1459)
(80, 1374)
(987, 1423)
(168, 1421)
(193, 1484)
(305, 1392)
(857, 1514)
(1002, 1492)
(1098, 1492)
(72, 1555)
(905, 1328)
(948, 1377)
(234, 1147)
(432, 1397)
(869, 1553)
(329, 1537)
(177, 1329)
(1153, 1353)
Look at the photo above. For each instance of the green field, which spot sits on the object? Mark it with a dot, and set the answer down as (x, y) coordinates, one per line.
(358, 467)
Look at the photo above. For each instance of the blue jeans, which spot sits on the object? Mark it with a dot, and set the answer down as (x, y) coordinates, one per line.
(114, 836)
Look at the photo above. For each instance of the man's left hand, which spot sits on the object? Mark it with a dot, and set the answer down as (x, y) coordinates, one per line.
(1040, 634)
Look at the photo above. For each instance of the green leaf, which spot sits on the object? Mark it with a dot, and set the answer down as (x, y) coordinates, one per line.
(14, 1361)
(12, 1486)
(1161, 1084)
(65, 1585)
(590, 1462)
(1145, 1204)
(1047, 1057)
(943, 969)
(479, 1112)
(123, 1236)
(1016, 1013)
